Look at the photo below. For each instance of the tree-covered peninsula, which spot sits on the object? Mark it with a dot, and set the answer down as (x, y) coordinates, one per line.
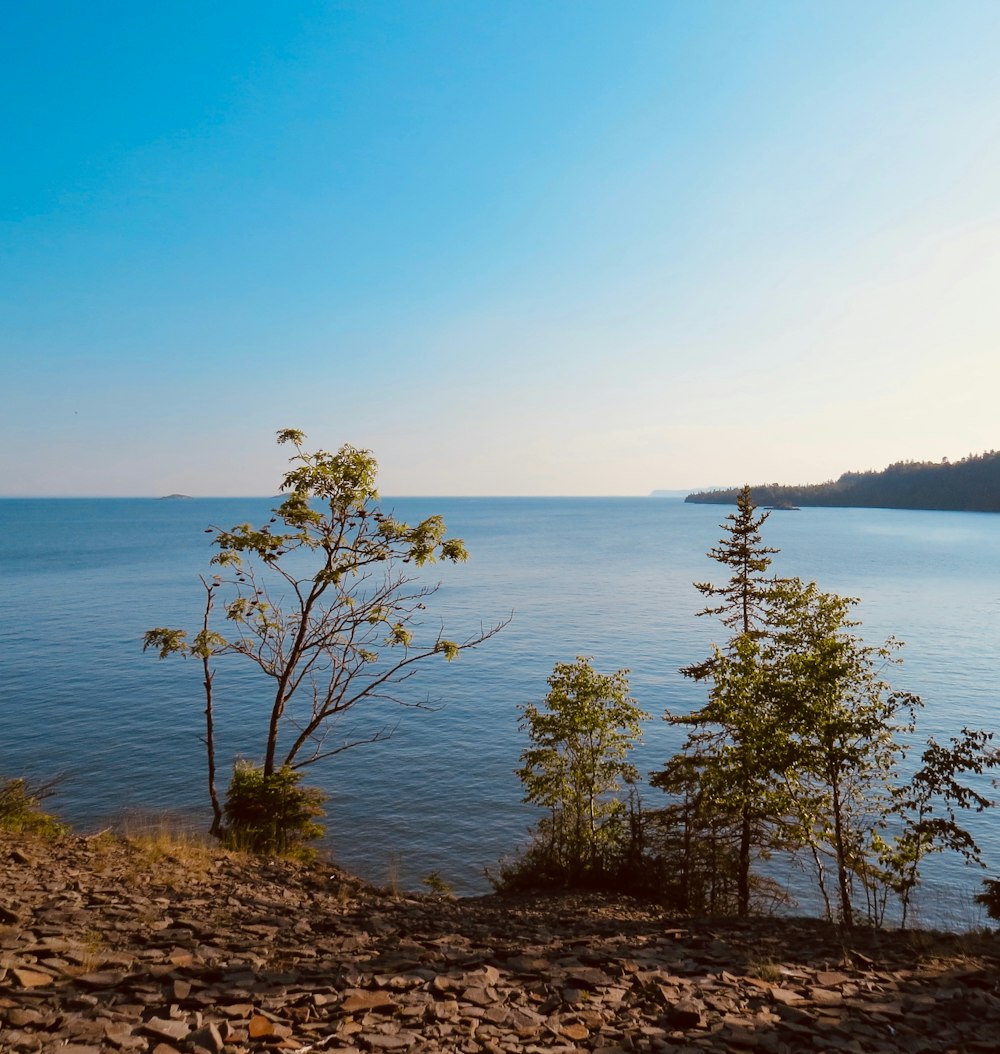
(969, 485)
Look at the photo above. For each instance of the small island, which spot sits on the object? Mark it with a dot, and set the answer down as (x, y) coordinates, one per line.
(969, 485)
(175, 497)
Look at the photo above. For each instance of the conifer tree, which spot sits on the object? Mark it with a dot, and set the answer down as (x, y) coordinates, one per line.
(799, 744)
(735, 734)
(743, 605)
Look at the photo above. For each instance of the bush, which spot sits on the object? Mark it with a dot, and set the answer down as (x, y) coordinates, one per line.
(625, 864)
(438, 885)
(271, 815)
(19, 811)
(990, 897)
(577, 769)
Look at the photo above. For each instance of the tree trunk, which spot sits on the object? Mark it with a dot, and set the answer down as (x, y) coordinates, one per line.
(846, 909)
(216, 829)
(743, 878)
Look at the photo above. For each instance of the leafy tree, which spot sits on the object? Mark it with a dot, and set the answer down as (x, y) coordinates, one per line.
(695, 838)
(928, 807)
(319, 600)
(577, 767)
(799, 747)
(739, 743)
(844, 724)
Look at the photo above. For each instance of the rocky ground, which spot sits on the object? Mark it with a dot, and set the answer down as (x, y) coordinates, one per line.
(111, 945)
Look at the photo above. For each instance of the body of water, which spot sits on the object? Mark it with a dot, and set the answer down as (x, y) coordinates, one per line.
(611, 578)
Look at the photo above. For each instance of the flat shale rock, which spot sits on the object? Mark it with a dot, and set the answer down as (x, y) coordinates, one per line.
(111, 946)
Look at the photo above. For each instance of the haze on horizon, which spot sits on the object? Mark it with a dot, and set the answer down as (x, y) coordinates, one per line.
(519, 248)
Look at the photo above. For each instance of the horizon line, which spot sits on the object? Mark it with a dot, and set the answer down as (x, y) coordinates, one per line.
(659, 492)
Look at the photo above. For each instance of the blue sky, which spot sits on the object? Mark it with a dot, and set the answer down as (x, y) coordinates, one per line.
(513, 248)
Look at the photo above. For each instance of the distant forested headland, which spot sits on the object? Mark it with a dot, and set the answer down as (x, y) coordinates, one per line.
(969, 485)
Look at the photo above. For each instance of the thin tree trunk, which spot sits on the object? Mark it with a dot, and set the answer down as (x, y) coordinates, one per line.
(821, 879)
(216, 829)
(687, 868)
(292, 661)
(846, 909)
(743, 878)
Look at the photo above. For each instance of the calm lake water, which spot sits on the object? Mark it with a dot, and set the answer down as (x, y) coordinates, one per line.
(611, 578)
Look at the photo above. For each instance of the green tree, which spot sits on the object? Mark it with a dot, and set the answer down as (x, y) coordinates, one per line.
(735, 736)
(928, 806)
(845, 727)
(739, 742)
(799, 748)
(271, 814)
(695, 838)
(319, 600)
(577, 767)
(744, 601)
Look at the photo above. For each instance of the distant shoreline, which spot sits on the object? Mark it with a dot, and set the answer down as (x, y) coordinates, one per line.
(969, 485)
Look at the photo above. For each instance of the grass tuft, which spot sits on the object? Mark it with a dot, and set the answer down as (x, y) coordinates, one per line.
(20, 811)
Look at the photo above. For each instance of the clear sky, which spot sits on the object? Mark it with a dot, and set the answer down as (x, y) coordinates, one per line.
(513, 247)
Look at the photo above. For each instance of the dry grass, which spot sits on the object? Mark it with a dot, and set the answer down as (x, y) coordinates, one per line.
(159, 849)
(392, 875)
(764, 969)
(174, 860)
(89, 955)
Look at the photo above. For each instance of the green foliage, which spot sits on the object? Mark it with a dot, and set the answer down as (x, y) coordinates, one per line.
(437, 885)
(625, 864)
(736, 744)
(270, 813)
(798, 749)
(577, 769)
(319, 601)
(736, 739)
(845, 729)
(927, 806)
(745, 598)
(696, 839)
(20, 812)
(990, 897)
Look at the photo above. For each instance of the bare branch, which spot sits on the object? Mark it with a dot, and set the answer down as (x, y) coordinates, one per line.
(350, 629)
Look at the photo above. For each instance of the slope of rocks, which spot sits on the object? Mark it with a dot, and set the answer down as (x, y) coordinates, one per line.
(135, 946)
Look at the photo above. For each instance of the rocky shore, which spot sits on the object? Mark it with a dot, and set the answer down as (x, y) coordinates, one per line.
(144, 946)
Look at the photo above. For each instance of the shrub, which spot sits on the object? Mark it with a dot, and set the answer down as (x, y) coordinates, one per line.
(271, 814)
(437, 884)
(19, 811)
(626, 864)
(990, 897)
(577, 769)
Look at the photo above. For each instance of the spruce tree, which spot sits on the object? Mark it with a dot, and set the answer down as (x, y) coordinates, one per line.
(744, 600)
(735, 733)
